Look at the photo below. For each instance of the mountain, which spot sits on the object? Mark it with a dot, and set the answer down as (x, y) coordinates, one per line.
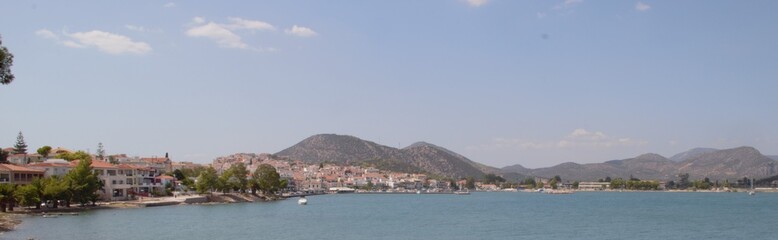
(699, 163)
(691, 153)
(774, 157)
(730, 163)
(418, 157)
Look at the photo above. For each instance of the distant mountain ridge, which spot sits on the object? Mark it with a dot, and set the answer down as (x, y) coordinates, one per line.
(699, 162)
(418, 157)
(428, 158)
(694, 152)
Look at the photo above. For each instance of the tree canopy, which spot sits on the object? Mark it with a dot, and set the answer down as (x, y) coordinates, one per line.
(44, 151)
(267, 179)
(20, 147)
(79, 155)
(6, 61)
(207, 181)
(83, 182)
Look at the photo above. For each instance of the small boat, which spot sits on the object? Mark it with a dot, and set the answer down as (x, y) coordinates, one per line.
(418, 192)
(49, 216)
(302, 201)
(462, 193)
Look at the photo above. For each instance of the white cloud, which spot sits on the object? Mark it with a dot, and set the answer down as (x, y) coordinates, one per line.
(227, 35)
(169, 5)
(640, 6)
(72, 44)
(198, 20)
(109, 42)
(476, 3)
(300, 31)
(104, 41)
(541, 15)
(578, 138)
(45, 33)
(568, 4)
(223, 36)
(239, 23)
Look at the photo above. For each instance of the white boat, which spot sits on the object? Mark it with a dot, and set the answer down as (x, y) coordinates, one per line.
(302, 201)
(462, 192)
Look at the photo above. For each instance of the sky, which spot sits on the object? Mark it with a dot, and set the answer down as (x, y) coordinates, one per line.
(502, 82)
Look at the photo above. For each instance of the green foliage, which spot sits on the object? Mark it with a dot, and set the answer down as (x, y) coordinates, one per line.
(20, 147)
(267, 179)
(529, 182)
(642, 185)
(575, 184)
(3, 156)
(55, 188)
(493, 179)
(618, 183)
(670, 184)
(683, 181)
(79, 155)
(207, 181)
(100, 151)
(553, 183)
(7, 198)
(701, 184)
(470, 183)
(237, 177)
(6, 61)
(44, 151)
(28, 195)
(179, 175)
(83, 182)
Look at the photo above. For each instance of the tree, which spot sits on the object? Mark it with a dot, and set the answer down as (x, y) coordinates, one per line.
(470, 183)
(239, 178)
(27, 195)
(575, 184)
(683, 181)
(44, 151)
(79, 155)
(7, 197)
(21, 146)
(529, 182)
(100, 151)
(3, 156)
(6, 61)
(268, 179)
(55, 188)
(83, 182)
(670, 184)
(207, 181)
(553, 183)
(179, 174)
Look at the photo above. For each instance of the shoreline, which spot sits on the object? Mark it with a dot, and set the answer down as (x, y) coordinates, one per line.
(9, 220)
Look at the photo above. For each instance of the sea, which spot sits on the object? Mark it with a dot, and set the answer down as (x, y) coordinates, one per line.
(481, 215)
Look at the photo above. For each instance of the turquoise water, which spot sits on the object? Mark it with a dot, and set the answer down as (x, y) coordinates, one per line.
(596, 215)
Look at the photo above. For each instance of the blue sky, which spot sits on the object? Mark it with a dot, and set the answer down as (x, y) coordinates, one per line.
(502, 82)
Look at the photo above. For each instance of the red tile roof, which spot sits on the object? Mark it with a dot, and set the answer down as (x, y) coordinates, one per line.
(15, 168)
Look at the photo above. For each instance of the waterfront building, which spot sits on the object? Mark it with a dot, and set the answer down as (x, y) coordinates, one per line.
(593, 186)
(13, 174)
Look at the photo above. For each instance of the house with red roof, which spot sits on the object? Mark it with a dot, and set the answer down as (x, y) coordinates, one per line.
(13, 174)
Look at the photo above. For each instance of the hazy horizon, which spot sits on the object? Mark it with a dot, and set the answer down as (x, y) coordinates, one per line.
(500, 82)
